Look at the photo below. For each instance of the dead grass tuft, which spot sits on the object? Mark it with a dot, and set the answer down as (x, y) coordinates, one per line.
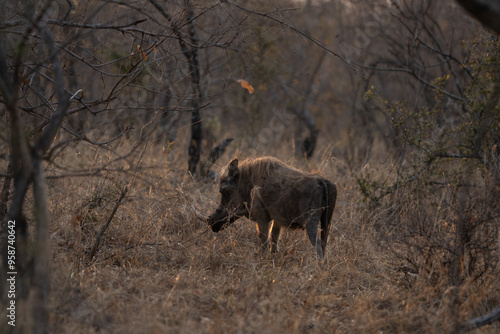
(159, 269)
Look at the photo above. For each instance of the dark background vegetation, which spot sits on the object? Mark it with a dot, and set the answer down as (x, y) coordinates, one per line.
(117, 115)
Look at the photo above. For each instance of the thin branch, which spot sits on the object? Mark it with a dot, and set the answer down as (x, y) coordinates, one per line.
(50, 132)
(63, 23)
(105, 226)
(94, 26)
(415, 75)
(219, 150)
(298, 31)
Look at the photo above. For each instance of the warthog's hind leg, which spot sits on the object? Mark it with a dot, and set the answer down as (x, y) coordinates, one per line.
(330, 197)
(312, 233)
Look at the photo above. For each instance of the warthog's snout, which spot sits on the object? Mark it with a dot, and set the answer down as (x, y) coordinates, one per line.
(218, 219)
(222, 218)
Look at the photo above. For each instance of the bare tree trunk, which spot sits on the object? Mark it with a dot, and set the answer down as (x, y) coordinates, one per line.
(41, 254)
(308, 145)
(190, 51)
(194, 70)
(4, 195)
(169, 118)
(27, 168)
(22, 171)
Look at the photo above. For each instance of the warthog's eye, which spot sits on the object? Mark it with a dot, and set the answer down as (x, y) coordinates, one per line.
(224, 189)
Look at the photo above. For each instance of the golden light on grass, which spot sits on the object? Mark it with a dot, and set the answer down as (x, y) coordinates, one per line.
(158, 271)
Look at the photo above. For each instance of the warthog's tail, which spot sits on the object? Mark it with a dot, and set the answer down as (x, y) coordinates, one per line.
(328, 204)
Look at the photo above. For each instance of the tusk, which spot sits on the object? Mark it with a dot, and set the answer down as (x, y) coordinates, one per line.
(199, 215)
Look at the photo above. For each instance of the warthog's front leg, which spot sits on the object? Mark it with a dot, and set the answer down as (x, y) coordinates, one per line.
(275, 235)
(258, 213)
(263, 232)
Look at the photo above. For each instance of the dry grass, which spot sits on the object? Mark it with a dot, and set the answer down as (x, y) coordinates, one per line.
(159, 270)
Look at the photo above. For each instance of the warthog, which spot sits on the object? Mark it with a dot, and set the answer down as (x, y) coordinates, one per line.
(271, 193)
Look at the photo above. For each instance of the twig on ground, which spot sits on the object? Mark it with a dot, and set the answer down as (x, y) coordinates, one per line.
(105, 226)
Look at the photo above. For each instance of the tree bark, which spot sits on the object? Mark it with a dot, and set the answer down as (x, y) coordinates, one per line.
(41, 254)
(190, 52)
(194, 70)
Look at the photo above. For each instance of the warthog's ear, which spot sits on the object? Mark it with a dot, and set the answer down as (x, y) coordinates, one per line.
(233, 168)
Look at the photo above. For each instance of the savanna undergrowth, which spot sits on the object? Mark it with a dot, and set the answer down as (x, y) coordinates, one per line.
(159, 269)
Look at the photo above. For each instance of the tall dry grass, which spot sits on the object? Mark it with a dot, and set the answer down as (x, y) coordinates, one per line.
(160, 270)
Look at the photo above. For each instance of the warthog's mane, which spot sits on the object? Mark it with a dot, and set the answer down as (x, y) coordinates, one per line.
(258, 170)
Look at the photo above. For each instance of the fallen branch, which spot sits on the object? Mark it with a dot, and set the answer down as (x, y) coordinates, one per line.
(105, 226)
(481, 321)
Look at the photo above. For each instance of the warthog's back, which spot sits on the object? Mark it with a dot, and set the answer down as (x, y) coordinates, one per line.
(289, 195)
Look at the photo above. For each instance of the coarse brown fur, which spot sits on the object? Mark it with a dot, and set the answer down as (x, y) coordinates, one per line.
(275, 195)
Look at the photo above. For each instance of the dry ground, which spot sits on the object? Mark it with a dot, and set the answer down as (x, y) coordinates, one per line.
(160, 270)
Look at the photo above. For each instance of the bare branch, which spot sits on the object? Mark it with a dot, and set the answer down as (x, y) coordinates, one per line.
(62, 108)
(106, 225)
(219, 150)
(413, 73)
(94, 26)
(298, 31)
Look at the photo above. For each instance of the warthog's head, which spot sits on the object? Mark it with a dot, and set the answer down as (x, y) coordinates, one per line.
(232, 205)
